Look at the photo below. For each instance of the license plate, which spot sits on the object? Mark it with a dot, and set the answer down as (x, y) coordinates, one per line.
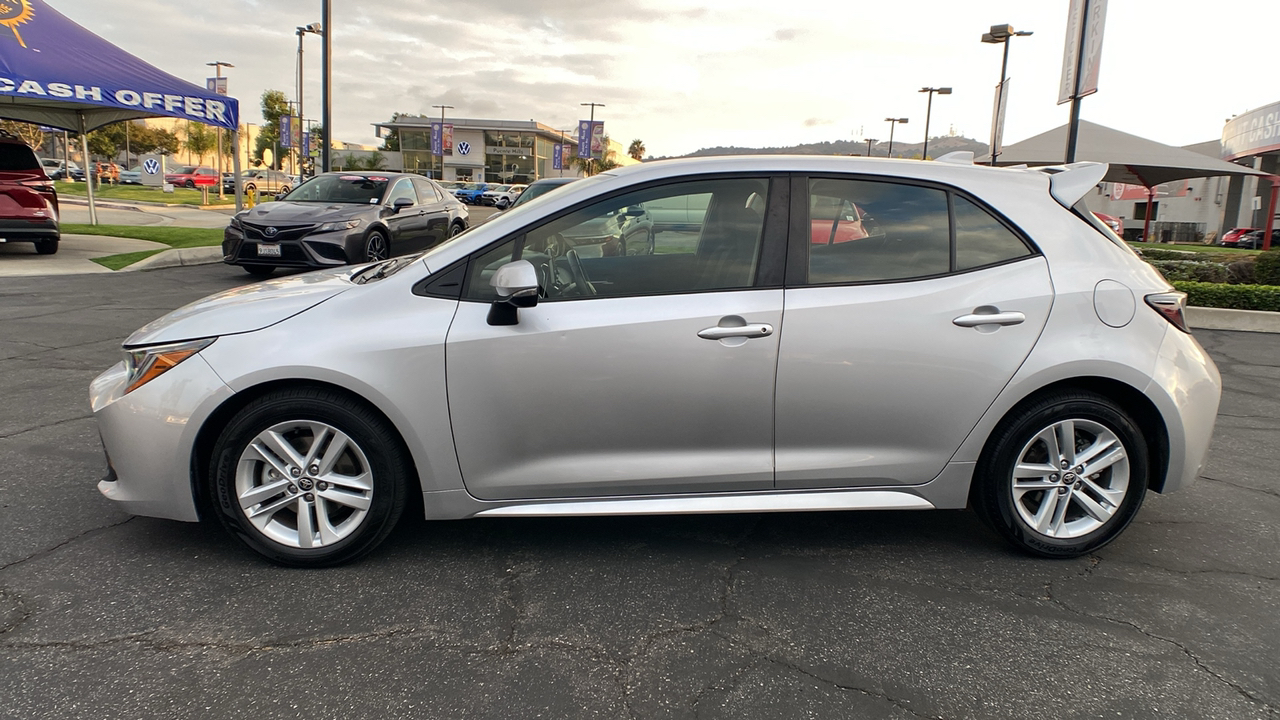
(268, 251)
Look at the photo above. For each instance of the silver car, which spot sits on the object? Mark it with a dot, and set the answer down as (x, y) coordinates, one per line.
(980, 339)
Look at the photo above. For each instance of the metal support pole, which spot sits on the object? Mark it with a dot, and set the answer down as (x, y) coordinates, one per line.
(235, 169)
(66, 160)
(892, 125)
(297, 166)
(1073, 129)
(88, 174)
(1146, 223)
(326, 98)
(995, 126)
(1271, 214)
(927, 114)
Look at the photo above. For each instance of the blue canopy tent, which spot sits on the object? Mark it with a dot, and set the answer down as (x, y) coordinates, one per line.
(54, 72)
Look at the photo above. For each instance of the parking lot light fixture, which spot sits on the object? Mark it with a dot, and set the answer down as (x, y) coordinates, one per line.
(928, 113)
(1001, 35)
(869, 143)
(893, 123)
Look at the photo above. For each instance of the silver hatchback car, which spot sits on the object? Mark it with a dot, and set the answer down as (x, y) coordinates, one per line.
(952, 336)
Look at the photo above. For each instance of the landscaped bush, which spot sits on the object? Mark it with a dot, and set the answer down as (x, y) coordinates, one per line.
(1266, 268)
(1197, 270)
(1161, 254)
(1235, 297)
(1241, 272)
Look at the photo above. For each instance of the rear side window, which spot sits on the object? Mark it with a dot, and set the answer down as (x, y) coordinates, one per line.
(869, 231)
(16, 157)
(983, 240)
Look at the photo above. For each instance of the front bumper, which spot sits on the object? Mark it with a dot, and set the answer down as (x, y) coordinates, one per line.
(149, 435)
(321, 250)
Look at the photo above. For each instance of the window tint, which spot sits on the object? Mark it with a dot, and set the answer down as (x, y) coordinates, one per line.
(632, 245)
(426, 190)
(403, 189)
(867, 231)
(983, 240)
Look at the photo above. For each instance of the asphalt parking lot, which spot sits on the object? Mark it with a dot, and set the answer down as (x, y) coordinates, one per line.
(885, 614)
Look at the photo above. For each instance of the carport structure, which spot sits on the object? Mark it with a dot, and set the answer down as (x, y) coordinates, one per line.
(1133, 160)
(55, 73)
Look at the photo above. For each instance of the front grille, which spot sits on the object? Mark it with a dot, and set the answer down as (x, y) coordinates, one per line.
(290, 254)
(283, 232)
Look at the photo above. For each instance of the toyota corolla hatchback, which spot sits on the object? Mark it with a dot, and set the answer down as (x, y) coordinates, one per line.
(984, 342)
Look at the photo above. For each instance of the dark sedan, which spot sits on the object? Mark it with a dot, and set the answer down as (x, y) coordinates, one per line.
(341, 218)
(1252, 240)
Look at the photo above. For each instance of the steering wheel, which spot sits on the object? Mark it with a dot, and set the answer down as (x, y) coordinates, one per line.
(580, 281)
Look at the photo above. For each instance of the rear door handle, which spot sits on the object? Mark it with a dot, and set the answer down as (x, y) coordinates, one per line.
(996, 318)
(751, 330)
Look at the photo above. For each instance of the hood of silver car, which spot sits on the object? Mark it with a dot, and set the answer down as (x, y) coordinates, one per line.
(244, 309)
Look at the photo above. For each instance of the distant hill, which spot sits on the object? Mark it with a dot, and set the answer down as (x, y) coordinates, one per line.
(937, 146)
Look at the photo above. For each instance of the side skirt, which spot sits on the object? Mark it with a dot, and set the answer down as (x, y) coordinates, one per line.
(771, 502)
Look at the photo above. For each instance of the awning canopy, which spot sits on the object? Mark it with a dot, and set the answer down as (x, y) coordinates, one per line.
(54, 72)
(1133, 160)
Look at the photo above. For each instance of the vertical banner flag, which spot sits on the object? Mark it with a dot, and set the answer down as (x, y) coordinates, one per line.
(436, 148)
(296, 132)
(216, 84)
(590, 138)
(557, 157)
(446, 140)
(1081, 60)
(306, 143)
(286, 131)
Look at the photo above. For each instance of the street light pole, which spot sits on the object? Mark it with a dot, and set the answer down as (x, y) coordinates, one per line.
(326, 73)
(315, 29)
(928, 113)
(893, 123)
(442, 109)
(869, 141)
(1001, 34)
(591, 133)
(217, 66)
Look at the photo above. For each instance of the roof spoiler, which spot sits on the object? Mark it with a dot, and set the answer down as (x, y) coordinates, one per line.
(1069, 183)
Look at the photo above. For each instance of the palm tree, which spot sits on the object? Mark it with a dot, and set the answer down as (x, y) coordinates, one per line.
(637, 149)
(590, 166)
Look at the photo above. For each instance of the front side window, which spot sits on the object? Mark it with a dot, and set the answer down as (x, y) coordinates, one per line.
(403, 189)
(870, 231)
(638, 244)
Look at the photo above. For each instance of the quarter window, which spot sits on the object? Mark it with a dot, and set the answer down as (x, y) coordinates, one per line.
(870, 231)
(983, 240)
(679, 238)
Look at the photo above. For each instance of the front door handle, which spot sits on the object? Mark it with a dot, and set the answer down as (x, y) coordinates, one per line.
(752, 330)
(990, 318)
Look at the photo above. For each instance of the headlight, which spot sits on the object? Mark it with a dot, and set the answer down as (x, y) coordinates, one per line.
(146, 364)
(339, 225)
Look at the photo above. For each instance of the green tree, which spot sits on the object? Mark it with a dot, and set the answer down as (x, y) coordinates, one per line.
(274, 106)
(637, 149)
(590, 166)
(200, 140)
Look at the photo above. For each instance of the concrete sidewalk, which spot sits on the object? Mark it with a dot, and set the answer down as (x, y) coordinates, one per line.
(74, 256)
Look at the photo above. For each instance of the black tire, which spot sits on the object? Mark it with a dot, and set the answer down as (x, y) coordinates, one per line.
(376, 247)
(456, 228)
(191, 184)
(992, 494)
(381, 447)
(47, 247)
(260, 270)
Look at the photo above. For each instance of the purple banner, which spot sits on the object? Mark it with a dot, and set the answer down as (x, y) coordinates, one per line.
(437, 147)
(584, 138)
(557, 157)
(286, 131)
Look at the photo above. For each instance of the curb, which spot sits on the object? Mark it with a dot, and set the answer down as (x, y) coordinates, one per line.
(82, 200)
(178, 257)
(1239, 320)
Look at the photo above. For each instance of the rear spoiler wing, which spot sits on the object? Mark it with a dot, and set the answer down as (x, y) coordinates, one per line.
(1067, 183)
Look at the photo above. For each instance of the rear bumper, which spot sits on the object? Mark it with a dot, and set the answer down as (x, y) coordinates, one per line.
(24, 230)
(1186, 388)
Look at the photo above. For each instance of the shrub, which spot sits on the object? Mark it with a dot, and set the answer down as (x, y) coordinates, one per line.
(1198, 270)
(1266, 268)
(1160, 254)
(1241, 272)
(1234, 297)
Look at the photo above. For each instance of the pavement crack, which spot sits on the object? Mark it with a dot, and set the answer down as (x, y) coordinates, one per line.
(896, 702)
(55, 423)
(1264, 491)
(64, 543)
(18, 615)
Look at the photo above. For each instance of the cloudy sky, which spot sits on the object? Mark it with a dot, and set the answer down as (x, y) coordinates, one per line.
(685, 74)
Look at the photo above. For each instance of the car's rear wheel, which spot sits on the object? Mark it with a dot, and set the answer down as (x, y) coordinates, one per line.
(1062, 476)
(309, 477)
(260, 270)
(376, 247)
(47, 247)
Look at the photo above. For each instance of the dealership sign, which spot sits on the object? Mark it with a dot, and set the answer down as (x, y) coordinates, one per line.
(590, 138)
(1252, 133)
(1082, 54)
(441, 139)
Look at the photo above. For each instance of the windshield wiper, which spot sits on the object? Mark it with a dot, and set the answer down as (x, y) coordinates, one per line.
(384, 268)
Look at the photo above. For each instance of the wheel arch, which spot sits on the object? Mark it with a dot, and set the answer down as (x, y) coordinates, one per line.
(1136, 404)
(207, 436)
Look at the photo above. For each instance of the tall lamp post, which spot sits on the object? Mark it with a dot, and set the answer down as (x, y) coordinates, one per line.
(869, 141)
(893, 123)
(315, 29)
(928, 113)
(442, 109)
(591, 130)
(326, 80)
(217, 66)
(1001, 34)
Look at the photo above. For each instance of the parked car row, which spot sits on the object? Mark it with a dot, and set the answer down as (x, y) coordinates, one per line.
(1253, 240)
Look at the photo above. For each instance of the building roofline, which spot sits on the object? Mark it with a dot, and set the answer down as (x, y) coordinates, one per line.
(418, 122)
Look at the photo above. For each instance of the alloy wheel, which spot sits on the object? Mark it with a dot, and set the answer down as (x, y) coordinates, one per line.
(304, 484)
(1070, 478)
(375, 248)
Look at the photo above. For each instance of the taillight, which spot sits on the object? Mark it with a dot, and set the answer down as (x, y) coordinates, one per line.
(1172, 306)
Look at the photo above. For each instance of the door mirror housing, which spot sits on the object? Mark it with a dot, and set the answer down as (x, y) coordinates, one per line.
(401, 204)
(517, 286)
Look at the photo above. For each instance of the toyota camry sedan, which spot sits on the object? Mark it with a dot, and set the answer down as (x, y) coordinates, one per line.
(989, 344)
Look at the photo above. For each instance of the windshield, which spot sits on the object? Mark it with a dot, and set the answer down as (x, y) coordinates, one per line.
(339, 189)
(473, 186)
(534, 191)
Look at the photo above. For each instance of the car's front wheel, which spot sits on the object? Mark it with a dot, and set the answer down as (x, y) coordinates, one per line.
(309, 477)
(1062, 476)
(376, 247)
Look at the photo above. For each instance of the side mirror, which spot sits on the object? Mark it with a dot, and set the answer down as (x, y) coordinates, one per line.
(634, 211)
(401, 204)
(517, 286)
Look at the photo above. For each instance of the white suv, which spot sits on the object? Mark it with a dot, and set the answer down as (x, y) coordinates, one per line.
(502, 196)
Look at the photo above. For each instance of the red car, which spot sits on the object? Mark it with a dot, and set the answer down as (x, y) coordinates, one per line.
(1112, 222)
(834, 221)
(1234, 235)
(193, 176)
(28, 200)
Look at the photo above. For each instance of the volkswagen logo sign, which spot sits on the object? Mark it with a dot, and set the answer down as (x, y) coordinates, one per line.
(270, 232)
